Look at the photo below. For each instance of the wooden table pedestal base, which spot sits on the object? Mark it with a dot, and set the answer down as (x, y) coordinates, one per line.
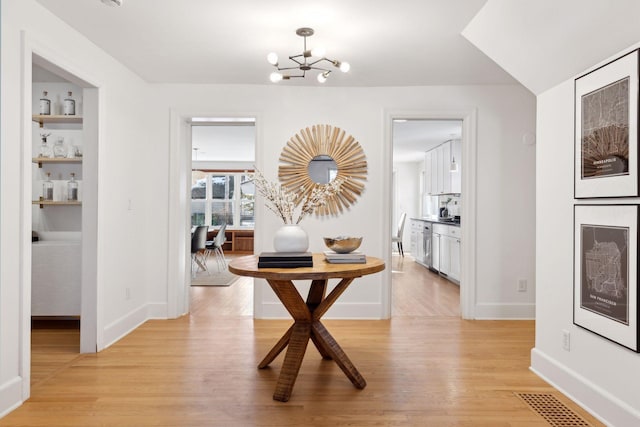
(307, 326)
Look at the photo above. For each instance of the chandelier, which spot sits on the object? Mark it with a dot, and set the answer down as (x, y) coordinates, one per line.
(309, 59)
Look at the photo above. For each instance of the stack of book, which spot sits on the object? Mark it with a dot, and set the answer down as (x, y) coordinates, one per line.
(285, 259)
(355, 257)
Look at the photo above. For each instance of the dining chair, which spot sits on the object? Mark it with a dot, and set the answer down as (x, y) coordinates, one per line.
(397, 238)
(215, 246)
(198, 248)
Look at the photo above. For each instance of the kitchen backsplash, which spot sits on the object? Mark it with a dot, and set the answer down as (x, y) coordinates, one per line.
(431, 205)
(451, 202)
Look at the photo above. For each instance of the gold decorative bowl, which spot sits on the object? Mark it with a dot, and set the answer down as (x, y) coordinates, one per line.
(343, 244)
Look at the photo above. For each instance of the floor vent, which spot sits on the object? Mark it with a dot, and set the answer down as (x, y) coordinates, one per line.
(552, 410)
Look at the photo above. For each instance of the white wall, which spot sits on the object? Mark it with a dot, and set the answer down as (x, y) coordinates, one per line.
(505, 184)
(124, 234)
(407, 188)
(600, 374)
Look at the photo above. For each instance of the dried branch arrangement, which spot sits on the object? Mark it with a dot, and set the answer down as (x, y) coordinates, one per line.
(290, 206)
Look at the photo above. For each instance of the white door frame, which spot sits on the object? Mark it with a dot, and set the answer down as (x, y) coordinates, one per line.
(469, 203)
(178, 244)
(91, 323)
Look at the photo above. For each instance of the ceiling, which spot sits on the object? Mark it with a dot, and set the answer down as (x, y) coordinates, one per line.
(411, 138)
(223, 142)
(545, 42)
(408, 43)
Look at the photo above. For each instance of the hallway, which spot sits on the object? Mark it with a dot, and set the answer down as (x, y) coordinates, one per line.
(200, 370)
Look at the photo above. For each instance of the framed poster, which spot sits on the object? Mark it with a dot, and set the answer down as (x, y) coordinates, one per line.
(606, 130)
(605, 289)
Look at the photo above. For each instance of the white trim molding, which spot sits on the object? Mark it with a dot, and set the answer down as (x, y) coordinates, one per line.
(597, 401)
(469, 205)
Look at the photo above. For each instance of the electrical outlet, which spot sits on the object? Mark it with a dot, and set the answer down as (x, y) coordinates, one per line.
(566, 340)
(522, 285)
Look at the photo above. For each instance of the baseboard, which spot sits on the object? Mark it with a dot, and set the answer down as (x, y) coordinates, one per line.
(114, 331)
(344, 311)
(158, 310)
(10, 395)
(598, 402)
(505, 311)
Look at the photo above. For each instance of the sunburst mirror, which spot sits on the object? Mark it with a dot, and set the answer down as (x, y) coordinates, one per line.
(316, 156)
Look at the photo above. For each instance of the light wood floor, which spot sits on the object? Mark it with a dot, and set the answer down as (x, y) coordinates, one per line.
(424, 367)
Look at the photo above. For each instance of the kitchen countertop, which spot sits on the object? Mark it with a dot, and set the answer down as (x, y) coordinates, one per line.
(436, 221)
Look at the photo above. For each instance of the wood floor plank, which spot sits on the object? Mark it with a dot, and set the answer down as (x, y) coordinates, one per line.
(432, 369)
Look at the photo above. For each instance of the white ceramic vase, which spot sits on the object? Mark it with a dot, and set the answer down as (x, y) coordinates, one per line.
(291, 238)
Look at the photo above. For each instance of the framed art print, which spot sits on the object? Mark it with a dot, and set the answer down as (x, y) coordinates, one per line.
(605, 289)
(606, 130)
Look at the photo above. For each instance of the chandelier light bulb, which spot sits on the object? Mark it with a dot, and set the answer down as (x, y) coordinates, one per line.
(322, 77)
(272, 58)
(345, 67)
(275, 77)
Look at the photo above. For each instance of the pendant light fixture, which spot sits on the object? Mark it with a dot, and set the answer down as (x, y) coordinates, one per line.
(309, 59)
(453, 167)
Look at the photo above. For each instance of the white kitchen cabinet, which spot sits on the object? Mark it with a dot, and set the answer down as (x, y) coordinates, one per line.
(55, 274)
(454, 252)
(445, 254)
(445, 162)
(442, 180)
(456, 176)
(434, 173)
(446, 250)
(414, 237)
(428, 176)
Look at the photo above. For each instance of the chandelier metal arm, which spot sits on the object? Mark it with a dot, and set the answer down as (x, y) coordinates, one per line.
(305, 61)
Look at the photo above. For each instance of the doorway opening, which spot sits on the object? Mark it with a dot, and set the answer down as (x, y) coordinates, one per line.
(426, 215)
(221, 198)
(62, 185)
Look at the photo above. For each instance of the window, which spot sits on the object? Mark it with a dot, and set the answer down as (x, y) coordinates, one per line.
(218, 198)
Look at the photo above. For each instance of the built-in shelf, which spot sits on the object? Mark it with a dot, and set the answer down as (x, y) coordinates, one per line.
(42, 119)
(41, 160)
(238, 241)
(44, 203)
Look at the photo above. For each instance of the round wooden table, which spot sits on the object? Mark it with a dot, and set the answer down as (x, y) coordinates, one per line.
(307, 315)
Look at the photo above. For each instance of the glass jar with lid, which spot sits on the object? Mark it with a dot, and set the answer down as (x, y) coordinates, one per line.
(45, 149)
(47, 188)
(69, 106)
(45, 104)
(72, 188)
(59, 149)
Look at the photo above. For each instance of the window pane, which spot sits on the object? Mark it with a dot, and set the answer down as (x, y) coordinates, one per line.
(197, 212)
(222, 187)
(222, 212)
(247, 203)
(198, 185)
